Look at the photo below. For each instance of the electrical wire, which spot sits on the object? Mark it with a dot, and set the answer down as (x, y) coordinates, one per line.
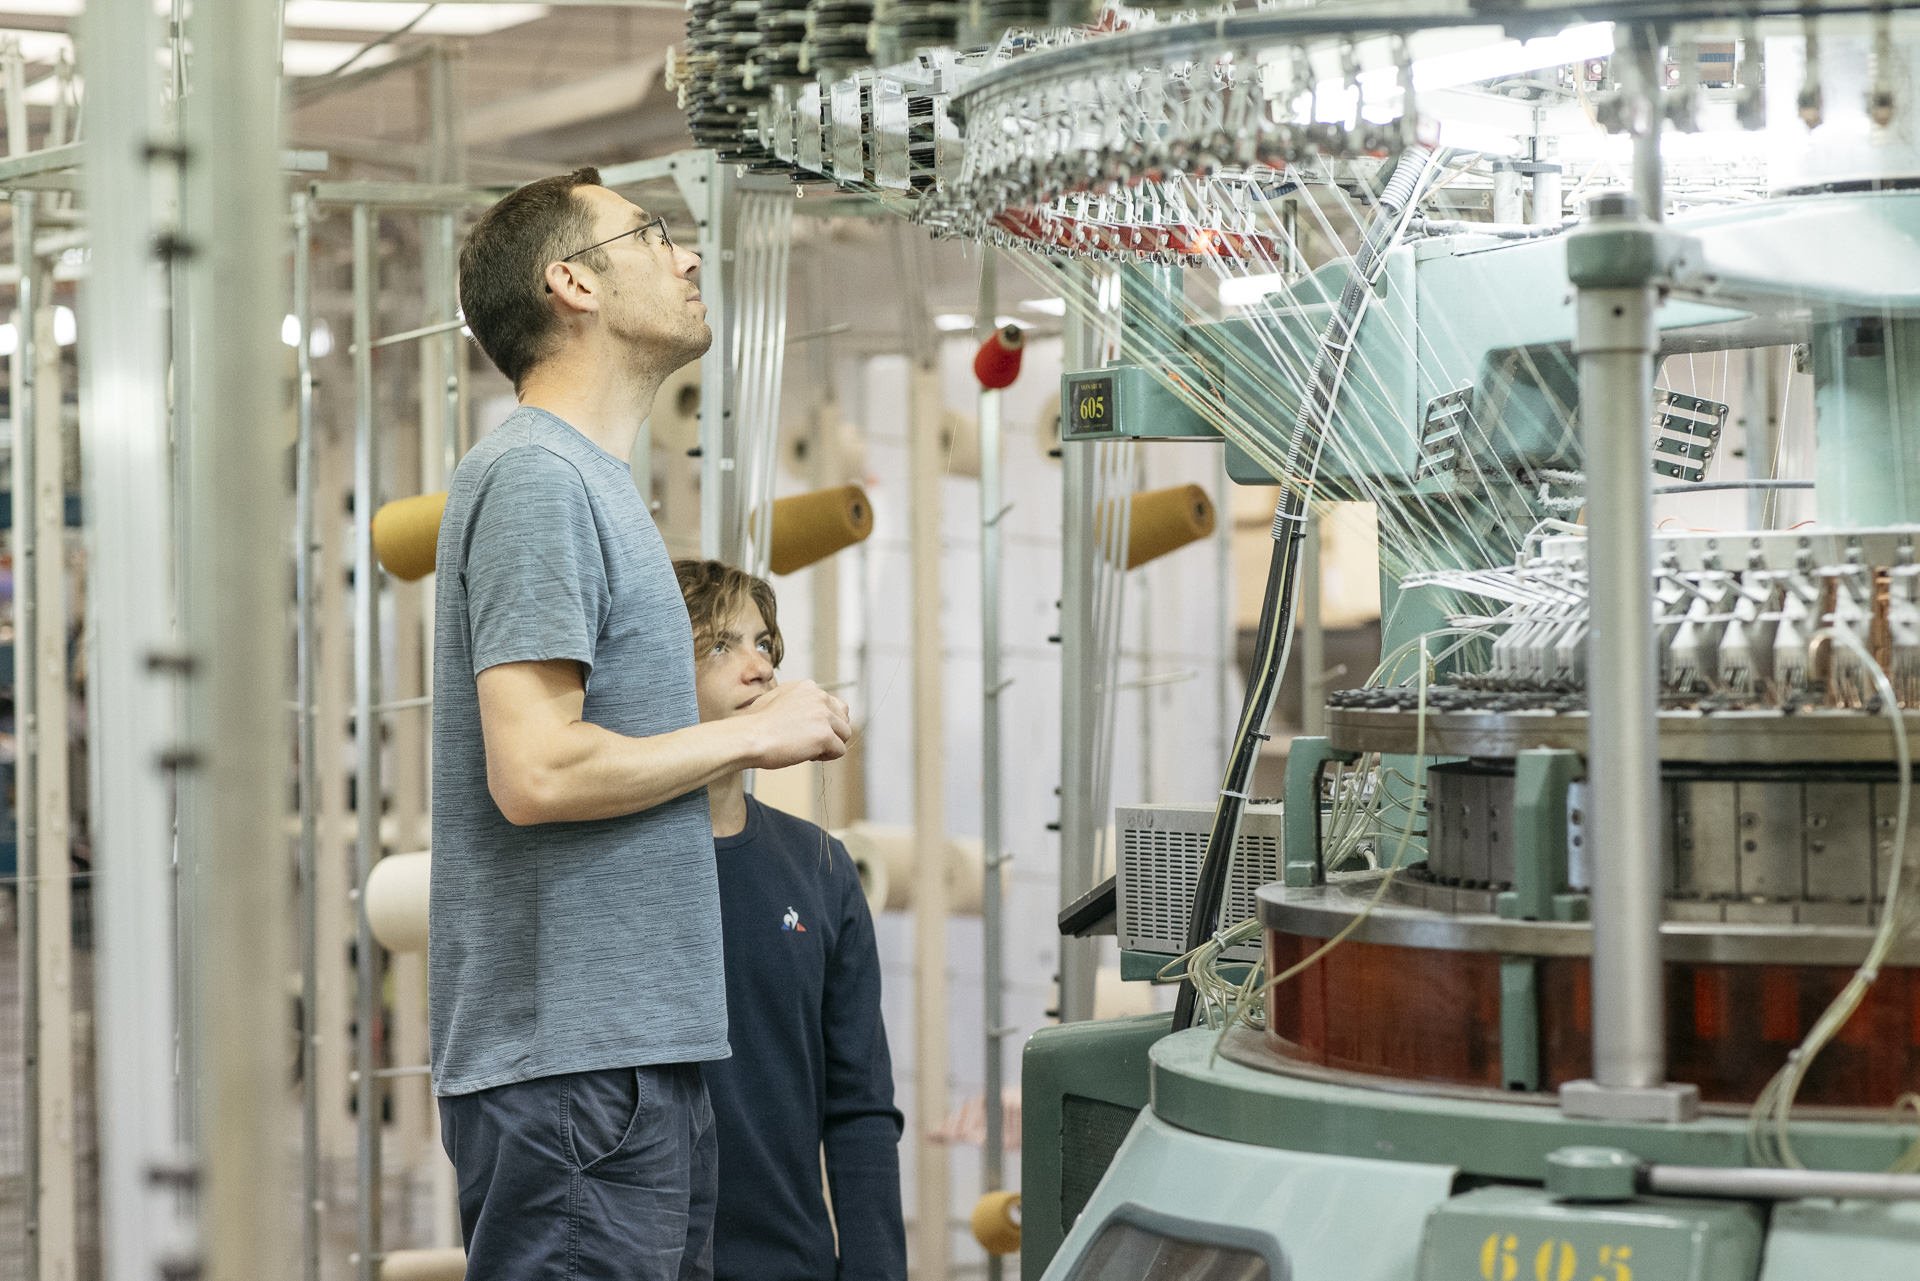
(1265, 989)
(379, 41)
(1769, 1140)
(1397, 200)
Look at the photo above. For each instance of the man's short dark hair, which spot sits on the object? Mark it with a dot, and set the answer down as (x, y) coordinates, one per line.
(714, 591)
(504, 262)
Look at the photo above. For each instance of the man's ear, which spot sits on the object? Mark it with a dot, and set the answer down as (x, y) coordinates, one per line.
(574, 287)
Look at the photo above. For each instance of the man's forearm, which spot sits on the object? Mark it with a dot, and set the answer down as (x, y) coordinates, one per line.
(586, 772)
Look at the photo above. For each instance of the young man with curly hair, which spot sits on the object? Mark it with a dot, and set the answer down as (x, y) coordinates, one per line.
(810, 1072)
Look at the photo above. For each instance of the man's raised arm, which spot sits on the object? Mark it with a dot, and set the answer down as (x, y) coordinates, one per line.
(547, 765)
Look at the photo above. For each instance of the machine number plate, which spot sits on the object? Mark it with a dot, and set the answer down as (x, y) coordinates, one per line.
(1508, 1256)
(1524, 1234)
(1090, 409)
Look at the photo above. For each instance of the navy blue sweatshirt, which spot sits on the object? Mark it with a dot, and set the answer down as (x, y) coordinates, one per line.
(809, 1067)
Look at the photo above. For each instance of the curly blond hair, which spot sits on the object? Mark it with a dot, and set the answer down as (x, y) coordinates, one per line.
(715, 591)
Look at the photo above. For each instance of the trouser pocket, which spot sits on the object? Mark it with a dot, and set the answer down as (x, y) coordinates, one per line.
(604, 1113)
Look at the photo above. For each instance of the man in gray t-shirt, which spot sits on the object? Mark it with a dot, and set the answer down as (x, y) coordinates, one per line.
(574, 959)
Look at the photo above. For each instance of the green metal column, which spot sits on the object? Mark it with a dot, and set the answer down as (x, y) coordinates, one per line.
(1540, 781)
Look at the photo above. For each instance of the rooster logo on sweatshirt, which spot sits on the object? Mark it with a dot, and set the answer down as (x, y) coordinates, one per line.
(791, 921)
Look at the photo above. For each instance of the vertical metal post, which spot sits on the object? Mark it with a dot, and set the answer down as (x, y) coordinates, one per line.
(54, 932)
(1078, 957)
(1643, 83)
(366, 734)
(930, 893)
(1546, 197)
(1616, 341)
(304, 685)
(236, 733)
(1615, 338)
(21, 540)
(130, 612)
(992, 1013)
(1227, 638)
(442, 363)
(1760, 409)
(705, 185)
(1506, 192)
(1313, 633)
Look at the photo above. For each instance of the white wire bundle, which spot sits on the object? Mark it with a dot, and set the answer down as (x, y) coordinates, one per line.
(759, 347)
(1115, 475)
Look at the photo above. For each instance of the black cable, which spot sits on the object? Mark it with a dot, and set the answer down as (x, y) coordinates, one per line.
(371, 45)
(1289, 529)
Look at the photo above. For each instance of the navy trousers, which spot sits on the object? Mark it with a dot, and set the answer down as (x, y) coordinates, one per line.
(593, 1176)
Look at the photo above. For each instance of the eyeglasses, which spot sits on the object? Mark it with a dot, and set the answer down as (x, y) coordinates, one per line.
(658, 224)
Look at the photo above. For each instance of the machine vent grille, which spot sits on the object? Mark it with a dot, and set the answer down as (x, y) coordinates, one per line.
(1161, 847)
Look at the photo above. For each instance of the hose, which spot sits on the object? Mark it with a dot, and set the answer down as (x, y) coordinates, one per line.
(1289, 532)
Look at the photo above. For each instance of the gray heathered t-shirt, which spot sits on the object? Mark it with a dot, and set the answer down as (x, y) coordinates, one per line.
(563, 947)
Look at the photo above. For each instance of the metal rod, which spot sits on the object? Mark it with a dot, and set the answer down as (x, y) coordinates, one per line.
(26, 694)
(1147, 682)
(409, 335)
(419, 197)
(1643, 79)
(392, 1073)
(1705, 486)
(825, 331)
(1779, 1185)
(1077, 956)
(305, 680)
(1760, 411)
(992, 932)
(130, 611)
(27, 164)
(367, 789)
(1615, 340)
(705, 184)
(403, 704)
(47, 508)
(930, 891)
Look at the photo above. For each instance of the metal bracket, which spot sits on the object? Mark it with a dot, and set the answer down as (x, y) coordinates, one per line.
(1443, 434)
(1540, 781)
(1686, 431)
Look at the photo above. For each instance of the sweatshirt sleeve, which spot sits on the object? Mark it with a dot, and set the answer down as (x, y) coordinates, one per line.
(862, 1129)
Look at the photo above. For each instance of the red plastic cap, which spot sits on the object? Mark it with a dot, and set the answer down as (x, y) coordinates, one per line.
(997, 363)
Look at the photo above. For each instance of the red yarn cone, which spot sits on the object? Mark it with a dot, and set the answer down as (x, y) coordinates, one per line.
(997, 363)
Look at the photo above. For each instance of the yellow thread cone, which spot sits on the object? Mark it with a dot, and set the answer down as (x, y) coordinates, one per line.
(996, 1222)
(1162, 520)
(811, 527)
(406, 532)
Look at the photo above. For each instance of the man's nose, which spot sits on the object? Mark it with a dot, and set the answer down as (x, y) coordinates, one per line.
(759, 668)
(689, 261)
